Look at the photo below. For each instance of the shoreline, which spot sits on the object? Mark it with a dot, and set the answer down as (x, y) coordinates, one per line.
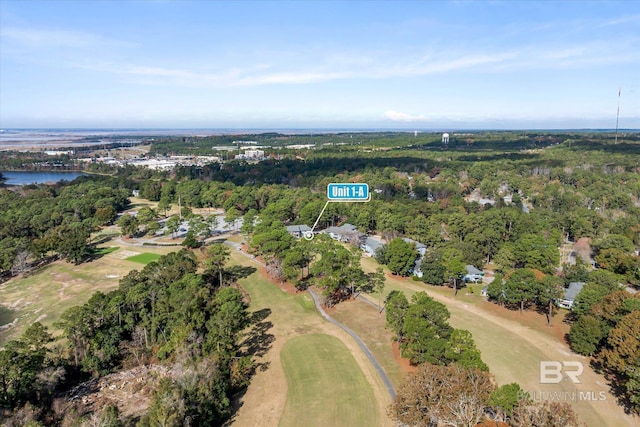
(4, 184)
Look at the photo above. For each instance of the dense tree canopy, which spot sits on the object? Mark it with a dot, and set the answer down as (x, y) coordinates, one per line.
(520, 288)
(164, 312)
(425, 335)
(400, 256)
(606, 327)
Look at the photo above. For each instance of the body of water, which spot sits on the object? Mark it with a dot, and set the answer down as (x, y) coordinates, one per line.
(38, 177)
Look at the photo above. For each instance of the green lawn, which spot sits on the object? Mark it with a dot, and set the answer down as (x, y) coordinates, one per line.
(292, 309)
(144, 258)
(325, 385)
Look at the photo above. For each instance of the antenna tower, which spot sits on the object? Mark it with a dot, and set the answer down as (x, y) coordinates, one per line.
(618, 114)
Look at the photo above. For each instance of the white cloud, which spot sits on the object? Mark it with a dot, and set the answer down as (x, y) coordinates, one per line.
(323, 65)
(291, 78)
(621, 20)
(430, 66)
(268, 75)
(397, 116)
(251, 76)
(46, 39)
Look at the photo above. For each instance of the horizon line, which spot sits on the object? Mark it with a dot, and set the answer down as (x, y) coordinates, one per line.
(324, 129)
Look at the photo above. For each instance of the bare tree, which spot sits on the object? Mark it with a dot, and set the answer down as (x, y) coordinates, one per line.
(546, 414)
(443, 396)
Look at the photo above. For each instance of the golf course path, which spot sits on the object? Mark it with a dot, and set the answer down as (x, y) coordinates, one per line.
(291, 316)
(372, 359)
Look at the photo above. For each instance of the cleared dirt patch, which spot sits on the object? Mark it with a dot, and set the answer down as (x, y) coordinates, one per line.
(130, 390)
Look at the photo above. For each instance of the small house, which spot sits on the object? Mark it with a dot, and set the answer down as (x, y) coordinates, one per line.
(570, 295)
(344, 233)
(298, 231)
(473, 274)
(420, 247)
(371, 245)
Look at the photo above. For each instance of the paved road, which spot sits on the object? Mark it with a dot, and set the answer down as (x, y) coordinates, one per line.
(153, 241)
(372, 359)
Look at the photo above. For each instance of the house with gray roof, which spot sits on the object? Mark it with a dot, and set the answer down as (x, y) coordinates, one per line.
(420, 247)
(473, 274)
(298, 231)
(570, 295)
(371, 244)
(344, 233)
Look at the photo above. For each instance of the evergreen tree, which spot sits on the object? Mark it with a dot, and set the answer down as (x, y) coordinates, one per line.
(400, 256)
(396, 306)
(426, 330)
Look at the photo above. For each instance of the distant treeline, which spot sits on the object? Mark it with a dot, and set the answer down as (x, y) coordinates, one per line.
(466, 140)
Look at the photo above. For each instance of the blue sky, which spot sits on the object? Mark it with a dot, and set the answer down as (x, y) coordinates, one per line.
(329, 64)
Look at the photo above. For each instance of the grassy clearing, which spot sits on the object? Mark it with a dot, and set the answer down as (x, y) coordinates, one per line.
(139, 202)
(144, 258)
(45, 294)
(326, 386)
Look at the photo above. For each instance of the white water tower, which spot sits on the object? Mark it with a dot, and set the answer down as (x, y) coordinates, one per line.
(445, 138)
